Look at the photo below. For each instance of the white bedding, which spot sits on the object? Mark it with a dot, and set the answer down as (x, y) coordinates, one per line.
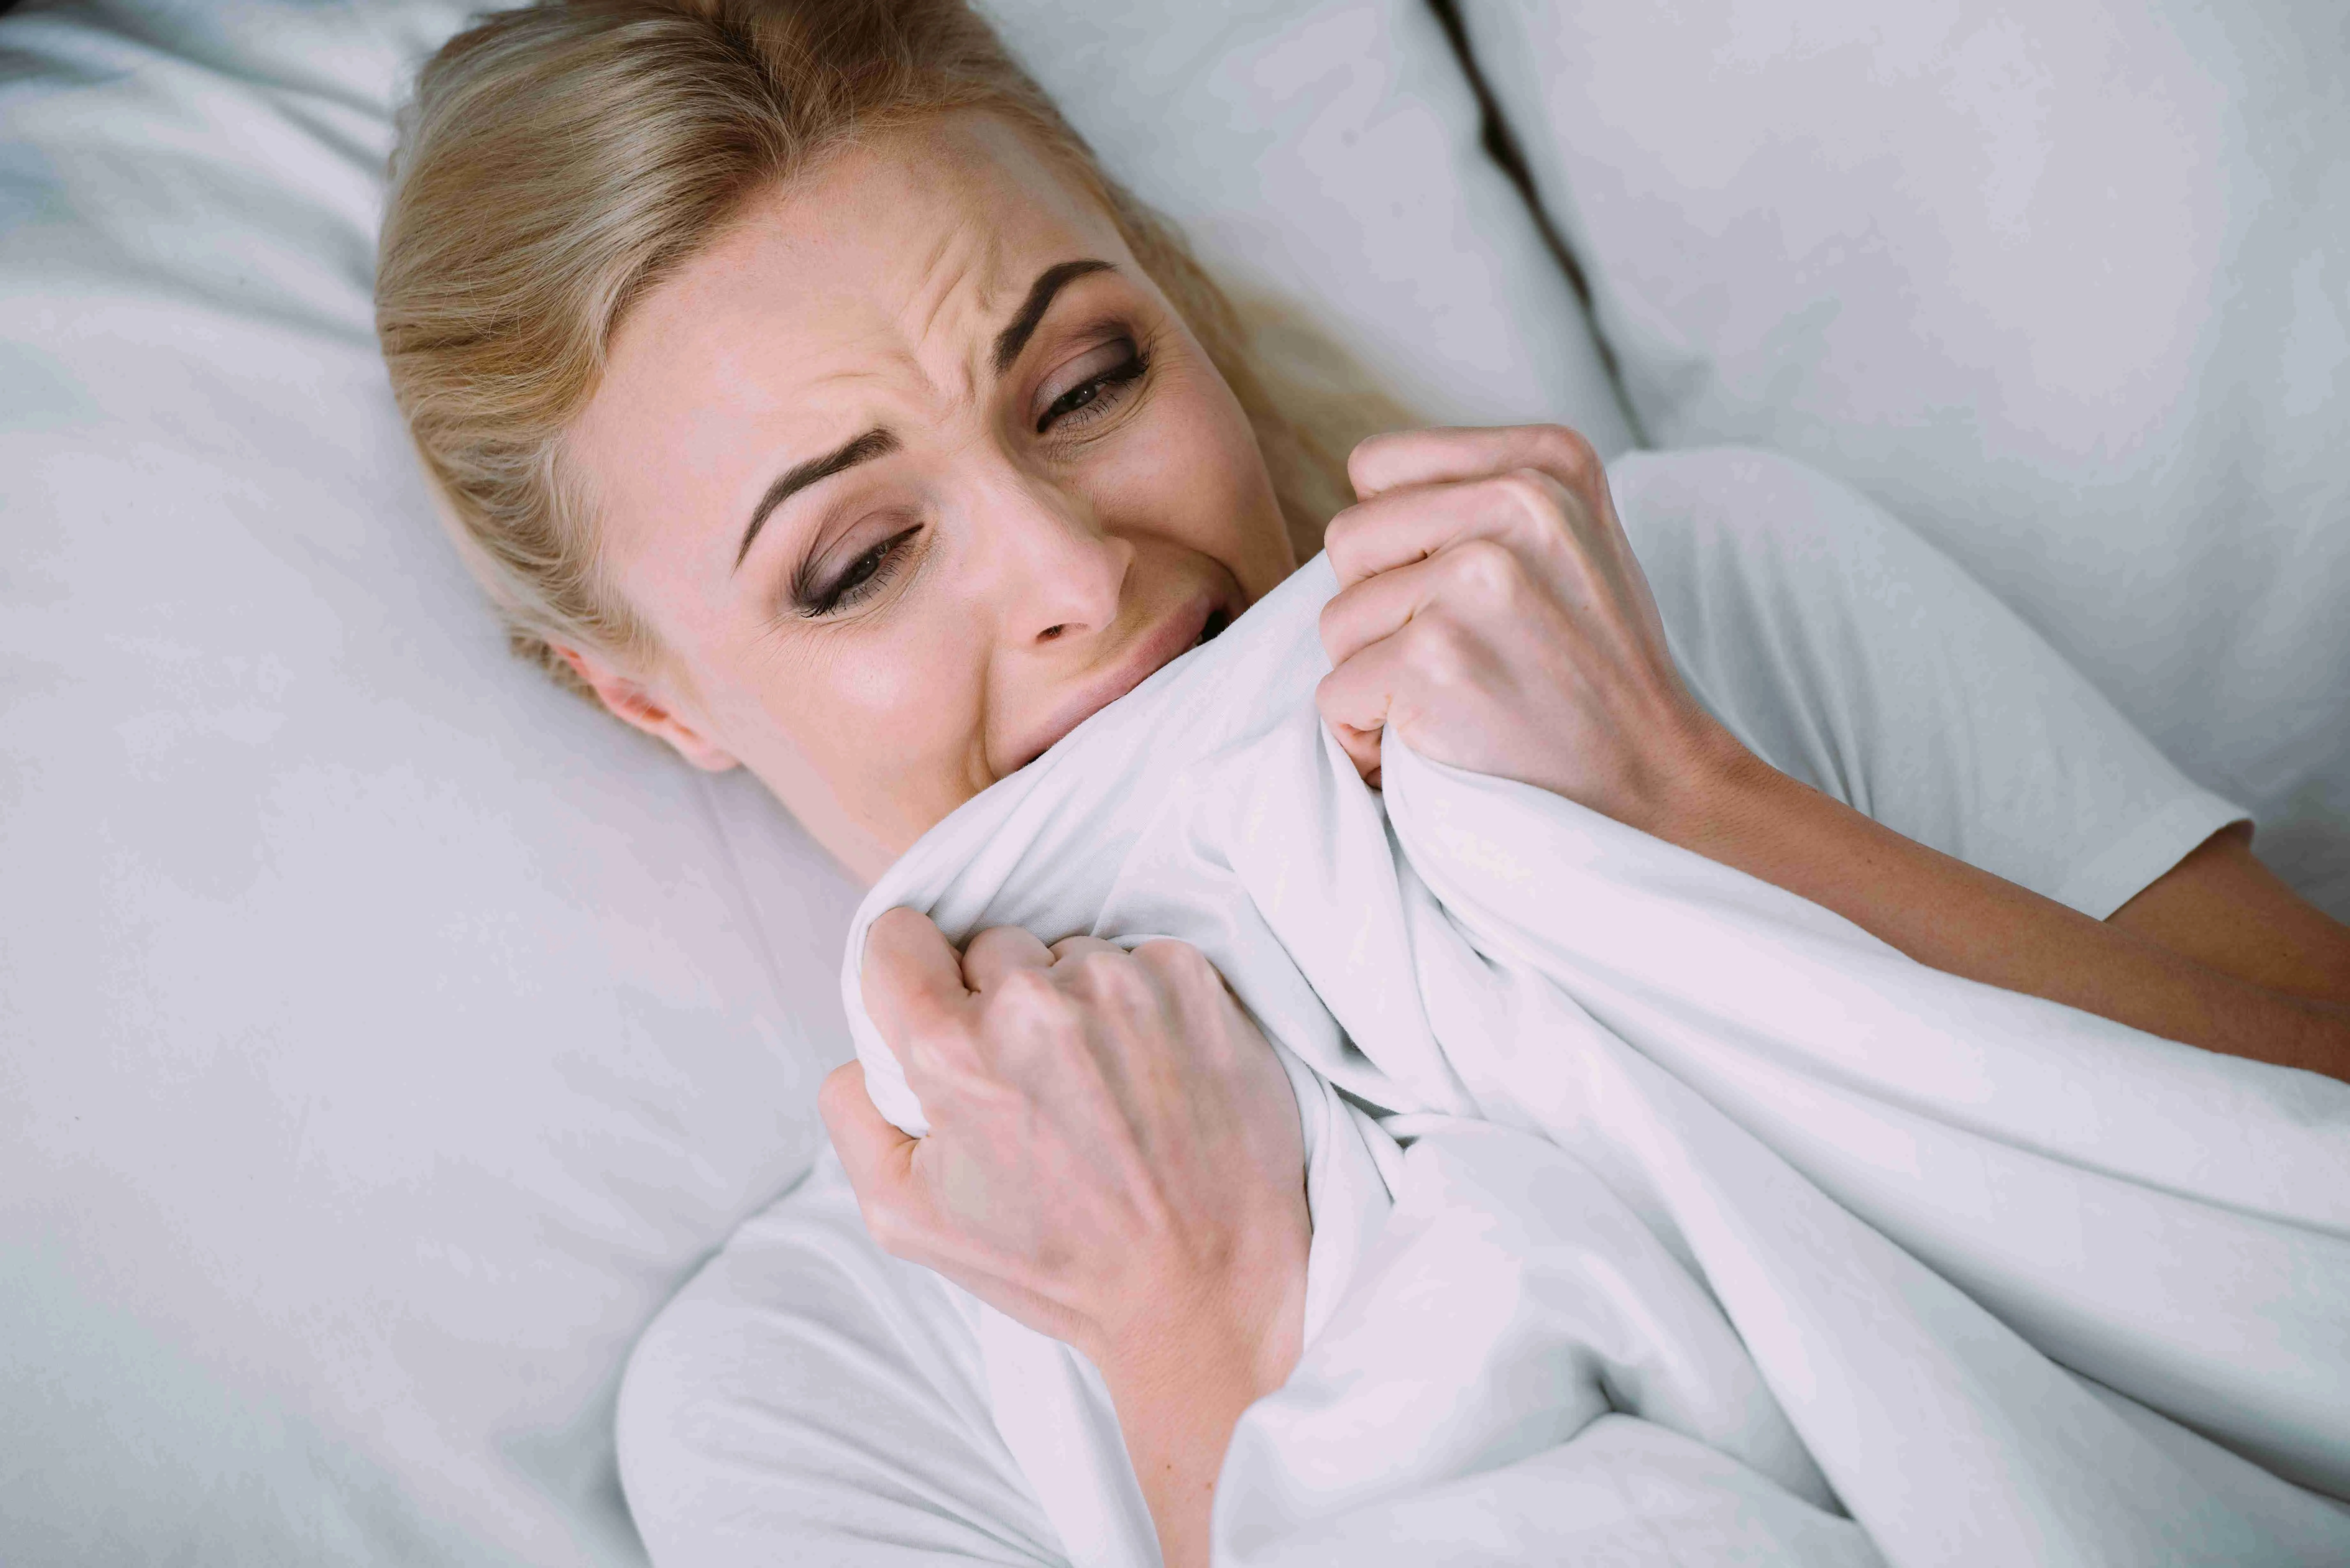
(1765, 1221)
(1680, 1191)
(385, 1035)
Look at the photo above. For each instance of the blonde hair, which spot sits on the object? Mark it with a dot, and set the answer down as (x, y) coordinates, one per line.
(559, 161)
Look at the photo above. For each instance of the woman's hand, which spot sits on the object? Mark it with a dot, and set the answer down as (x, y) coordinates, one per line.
(1114, 1159)
(1490, 612)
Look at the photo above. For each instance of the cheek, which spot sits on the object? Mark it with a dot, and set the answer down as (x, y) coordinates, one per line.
(1198, 479)
(794, 693)
(885, 728)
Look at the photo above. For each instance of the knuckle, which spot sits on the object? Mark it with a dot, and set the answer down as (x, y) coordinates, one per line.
(1342, 541)
(1530, 495)
(1519, 489)
(1373, 454)
(1487, 569)
(1112, 976)
(1176, 961)
(1017, 1027)
(1341, 705)
(1565, 453)
(1026, 991)
(1439, 651)
(1024, 1048)
(937, 1056)
(992, 937)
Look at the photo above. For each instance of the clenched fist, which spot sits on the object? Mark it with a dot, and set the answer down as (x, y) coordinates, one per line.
(1491, 614)
(1114, 1156)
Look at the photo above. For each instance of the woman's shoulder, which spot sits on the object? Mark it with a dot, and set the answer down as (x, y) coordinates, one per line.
(1724, 503)
(1786, 588)
(1780, 585)
(1844, 650)
(776, 1406)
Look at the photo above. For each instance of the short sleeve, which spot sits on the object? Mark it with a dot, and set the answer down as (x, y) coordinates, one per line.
(1845, 650)
(808, 1399)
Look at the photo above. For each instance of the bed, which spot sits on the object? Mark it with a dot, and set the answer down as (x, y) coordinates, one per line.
(384, 1035)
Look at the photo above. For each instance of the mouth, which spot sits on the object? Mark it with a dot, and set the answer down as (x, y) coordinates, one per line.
(1200, 623)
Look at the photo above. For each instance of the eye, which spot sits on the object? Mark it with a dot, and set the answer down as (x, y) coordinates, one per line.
(1102, 386)
(864, 576)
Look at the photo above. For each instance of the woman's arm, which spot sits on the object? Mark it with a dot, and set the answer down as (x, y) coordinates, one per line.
(2225, 910)
(2171, 970)
(1114, 1159)
(1490, 608)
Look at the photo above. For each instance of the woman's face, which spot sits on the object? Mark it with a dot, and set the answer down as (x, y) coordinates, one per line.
(909, 473)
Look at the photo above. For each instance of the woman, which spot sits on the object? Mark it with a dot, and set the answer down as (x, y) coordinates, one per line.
(801, 389)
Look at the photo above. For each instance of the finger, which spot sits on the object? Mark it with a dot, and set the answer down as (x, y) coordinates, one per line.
(912, 978)
(1207, 1014)
(1357, 698)
(1362, 749)
(1183, 967)
(1403, 459)
(1475, 576)
(1093, 970)
(1520, 507)
(1080, 947)
(877, 1156)
(997, 951)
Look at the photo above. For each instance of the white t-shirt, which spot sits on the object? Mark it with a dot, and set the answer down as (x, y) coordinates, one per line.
(808, 1399)
(1845, 650)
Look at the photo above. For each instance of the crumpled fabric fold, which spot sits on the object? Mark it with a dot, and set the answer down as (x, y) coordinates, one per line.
(1661, 1216)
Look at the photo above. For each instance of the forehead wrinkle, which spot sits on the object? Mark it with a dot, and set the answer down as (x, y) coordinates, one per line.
(943, 275)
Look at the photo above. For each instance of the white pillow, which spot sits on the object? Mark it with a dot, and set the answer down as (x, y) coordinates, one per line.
(383, 1034)
(2066, 284)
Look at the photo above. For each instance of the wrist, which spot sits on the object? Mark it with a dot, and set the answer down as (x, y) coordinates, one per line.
(1239, 1345)
(1718, 786)
(1180, 1385)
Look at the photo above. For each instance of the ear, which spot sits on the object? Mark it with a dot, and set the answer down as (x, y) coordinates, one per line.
(648, 710)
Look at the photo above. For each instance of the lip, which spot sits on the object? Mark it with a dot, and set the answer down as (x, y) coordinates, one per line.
(1157, 648)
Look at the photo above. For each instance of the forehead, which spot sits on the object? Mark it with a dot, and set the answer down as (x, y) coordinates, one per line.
(906, 249)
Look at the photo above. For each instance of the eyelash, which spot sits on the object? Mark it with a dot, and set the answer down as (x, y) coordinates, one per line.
(872, 572)
(1091, 407)
(877, 566)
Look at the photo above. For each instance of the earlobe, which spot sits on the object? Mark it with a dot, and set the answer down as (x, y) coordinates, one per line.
(633, 703)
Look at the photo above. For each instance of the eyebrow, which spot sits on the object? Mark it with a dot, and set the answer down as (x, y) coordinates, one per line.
(873, 443)
(878, 442)
(1014, 338)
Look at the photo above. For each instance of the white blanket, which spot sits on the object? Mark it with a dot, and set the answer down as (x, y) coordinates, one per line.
(1660, 1215)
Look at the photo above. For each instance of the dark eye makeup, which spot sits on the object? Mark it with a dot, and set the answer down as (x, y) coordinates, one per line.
(814, 597)
(1096, 396)
(861, 578)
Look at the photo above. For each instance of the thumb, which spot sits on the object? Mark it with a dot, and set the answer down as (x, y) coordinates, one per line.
(879, 1158)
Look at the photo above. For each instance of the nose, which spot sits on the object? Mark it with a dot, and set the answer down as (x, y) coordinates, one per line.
(1062, 576)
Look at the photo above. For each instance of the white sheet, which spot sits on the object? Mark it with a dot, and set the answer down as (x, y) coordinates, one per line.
(804, 1393)
(1735, 1221)
(384, 1035)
